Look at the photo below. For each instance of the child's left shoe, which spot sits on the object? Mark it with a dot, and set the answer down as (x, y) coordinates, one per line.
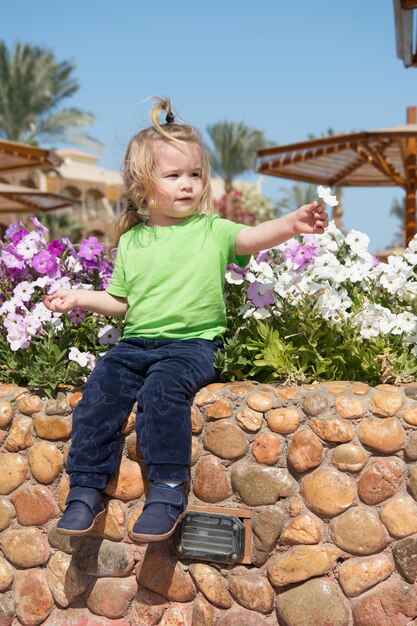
(163, 511)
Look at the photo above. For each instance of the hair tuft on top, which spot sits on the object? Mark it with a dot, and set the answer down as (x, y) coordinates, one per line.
(139, 164)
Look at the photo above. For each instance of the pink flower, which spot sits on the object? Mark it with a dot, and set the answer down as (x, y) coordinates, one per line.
(76, 316)
(45, 263)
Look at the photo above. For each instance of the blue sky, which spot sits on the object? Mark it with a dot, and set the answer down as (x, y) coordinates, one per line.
(287, 68)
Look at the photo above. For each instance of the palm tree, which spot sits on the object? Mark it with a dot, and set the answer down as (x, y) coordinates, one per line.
(234, 147)
(398, 210)
(32, 87)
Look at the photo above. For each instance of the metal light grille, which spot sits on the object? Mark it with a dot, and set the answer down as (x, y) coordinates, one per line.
(211, 537)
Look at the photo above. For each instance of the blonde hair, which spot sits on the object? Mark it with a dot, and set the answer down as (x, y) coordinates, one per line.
(139, 165)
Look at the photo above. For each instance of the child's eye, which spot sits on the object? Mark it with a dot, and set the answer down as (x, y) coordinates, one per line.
(196, 174)
(172, 176)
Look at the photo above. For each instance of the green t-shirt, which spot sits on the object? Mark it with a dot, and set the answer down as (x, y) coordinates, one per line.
(173, 277)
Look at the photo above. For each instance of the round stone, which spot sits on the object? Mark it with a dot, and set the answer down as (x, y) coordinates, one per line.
(305, 529)
(284, 420)
(259, 485)
(399, 515)
(111, 525)
(162, 573)
(405, 557)
(349, 458)
(410, 416)
(13, 471)
(336, 387)
(197, 421)
(34, 505)
(328, 492)
(359, 574)
(195, 450)
(6, 414)
(220, 409)
(266, 448)
(103, 558)
(111, 597)
(75, 398)
(203, 612)
(410, 448)
(349, 408)
(129, 423)
(359, 531)
(45, 461)
(34, 600)
(360, 389)
(212, 584)
(211, 480)
(381, 480)
(128, 482)
(20, 435)
(225, 440)
(316, 602)
(314, 404)
(26, 547)
(385, 435)
(267, 524)
(250, 420)
(52, 427)
(241, 389)
(301, 563)
(287, 394)
(259, 402)
(6, 576)
(7, 513)
(29, 404)
(149, 607)
(332, 430)
(204, 396)
(306, 451)
(65, 581)
(60, 406)
(253, 592)
(386, 404)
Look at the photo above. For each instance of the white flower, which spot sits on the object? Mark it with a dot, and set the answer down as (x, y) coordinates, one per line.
(261, 313)
(108, 335)
(85, 359)
(234, 278)
(23, 291)
(325, 266)
(324, 194)
(358, 242)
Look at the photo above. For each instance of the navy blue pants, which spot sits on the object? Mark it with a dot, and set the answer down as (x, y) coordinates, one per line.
(162, 376)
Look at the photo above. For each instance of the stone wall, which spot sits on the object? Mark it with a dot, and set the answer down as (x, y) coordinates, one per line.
(326, 473)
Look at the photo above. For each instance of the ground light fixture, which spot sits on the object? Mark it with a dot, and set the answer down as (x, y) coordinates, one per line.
(211, 535)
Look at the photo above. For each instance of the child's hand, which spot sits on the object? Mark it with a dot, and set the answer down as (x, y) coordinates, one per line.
(61, 301)
(310, 219)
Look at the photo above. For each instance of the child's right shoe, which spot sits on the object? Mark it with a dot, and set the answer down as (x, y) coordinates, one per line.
(83, 506)
(162, 512)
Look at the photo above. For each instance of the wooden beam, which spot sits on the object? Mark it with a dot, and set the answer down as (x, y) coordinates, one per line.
(381, 163)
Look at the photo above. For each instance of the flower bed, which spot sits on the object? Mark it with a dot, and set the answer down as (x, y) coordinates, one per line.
(317, 307)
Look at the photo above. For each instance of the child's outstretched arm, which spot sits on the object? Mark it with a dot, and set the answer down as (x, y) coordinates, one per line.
(101, 302)
(308, 219)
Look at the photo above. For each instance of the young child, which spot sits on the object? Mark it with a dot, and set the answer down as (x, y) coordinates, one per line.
(168, 285)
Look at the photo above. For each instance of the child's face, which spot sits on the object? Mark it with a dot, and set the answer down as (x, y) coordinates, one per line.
(178, 178)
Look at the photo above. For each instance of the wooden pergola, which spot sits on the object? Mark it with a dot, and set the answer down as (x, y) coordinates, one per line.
(405, 31)
(17, 157)
(379, 158)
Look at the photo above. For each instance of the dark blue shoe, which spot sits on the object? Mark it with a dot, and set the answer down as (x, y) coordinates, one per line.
(163, 510)
(83, 506)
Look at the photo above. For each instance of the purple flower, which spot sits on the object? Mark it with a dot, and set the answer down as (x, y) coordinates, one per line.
(45, 263)
(38, 225)
(375, 260)
(12, 229)
(263, 257)
(260, 294)
(76, 316)
(18, 235)
(300, 254)
(55, 247)
(90, 249)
